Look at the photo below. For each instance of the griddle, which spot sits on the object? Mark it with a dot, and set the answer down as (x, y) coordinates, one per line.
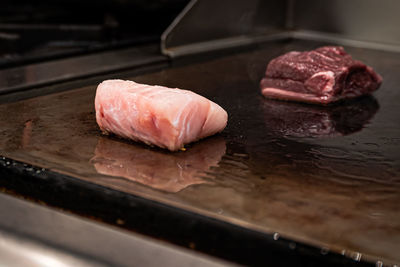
(320, 194)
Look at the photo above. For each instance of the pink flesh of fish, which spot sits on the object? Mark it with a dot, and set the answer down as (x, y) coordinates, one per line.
(156, 115)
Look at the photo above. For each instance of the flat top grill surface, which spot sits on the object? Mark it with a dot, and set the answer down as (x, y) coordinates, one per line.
(328, 177)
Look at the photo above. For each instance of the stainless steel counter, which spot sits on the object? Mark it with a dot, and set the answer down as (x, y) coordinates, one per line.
(33, 235)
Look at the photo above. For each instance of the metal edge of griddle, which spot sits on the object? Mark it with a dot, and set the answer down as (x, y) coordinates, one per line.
(343, 40)
(347, 32)
(33, 234)
(173, 24)
(151, 218)
(251, 40)
(229, 35)
(19, 95)
(36, 75)
(225, 43)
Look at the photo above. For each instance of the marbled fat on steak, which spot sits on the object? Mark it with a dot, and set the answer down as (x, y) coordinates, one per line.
(320, 76)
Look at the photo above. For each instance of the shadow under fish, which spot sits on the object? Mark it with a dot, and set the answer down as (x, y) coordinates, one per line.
(304, 120)
(166, 171)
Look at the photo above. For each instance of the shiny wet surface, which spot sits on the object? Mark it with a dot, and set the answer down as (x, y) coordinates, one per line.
(329, 176)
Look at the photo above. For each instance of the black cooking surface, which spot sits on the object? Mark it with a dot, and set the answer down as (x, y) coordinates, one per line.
(323, 176)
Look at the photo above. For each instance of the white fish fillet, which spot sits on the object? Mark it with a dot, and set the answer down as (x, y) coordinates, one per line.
(156, 115)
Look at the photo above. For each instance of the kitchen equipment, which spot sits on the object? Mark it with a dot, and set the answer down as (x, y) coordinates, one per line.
(327, 196)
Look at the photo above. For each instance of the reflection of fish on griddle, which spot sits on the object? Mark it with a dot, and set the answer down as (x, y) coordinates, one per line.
(303, 120)
(169, 172)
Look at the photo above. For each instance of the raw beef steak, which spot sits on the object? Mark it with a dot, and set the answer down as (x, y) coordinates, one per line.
(320, 76)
